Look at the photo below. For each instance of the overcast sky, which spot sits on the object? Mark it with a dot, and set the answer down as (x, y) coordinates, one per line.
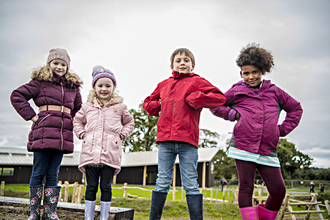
(135, 38)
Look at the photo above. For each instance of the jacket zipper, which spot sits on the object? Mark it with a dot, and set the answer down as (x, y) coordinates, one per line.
(44, 119)
(62, 118)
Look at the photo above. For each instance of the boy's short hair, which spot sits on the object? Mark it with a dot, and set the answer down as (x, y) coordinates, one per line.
(187, 52)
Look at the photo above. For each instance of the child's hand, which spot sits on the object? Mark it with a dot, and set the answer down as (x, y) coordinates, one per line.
(84, 135)
(238, 116)
(122, 137)
(35, 118)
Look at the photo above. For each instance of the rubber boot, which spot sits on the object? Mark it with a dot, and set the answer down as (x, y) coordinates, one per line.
(35, 200)
(157, 204)
(266, 214)
(50, 202)
(195, 206)
(89, 210)
(249, 213)
(105, 209)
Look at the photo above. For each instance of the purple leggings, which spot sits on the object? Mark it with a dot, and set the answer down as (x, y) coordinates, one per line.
(271, 176)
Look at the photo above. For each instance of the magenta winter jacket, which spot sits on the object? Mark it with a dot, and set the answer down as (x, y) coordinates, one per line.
(103, 127)
(53, 129)
(257, 130)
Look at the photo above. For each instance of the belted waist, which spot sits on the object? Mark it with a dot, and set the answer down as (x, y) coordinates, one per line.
(55, 108)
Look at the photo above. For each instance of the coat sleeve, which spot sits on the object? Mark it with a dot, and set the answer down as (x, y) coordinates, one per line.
(152, 103)
(293, 113)
(127, 121)
(207, 96)
(223, 111)
(77, 104)
(80, 121)
(19, 99)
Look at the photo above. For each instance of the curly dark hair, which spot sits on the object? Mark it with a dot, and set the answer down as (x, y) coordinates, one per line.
(254, 55)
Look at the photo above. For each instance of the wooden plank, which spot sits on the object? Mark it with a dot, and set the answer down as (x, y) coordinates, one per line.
(307, 211)
(314, 196)
(2, 188)
(326, 202)
(204, 175)
(174, 181)
(285, 204)
(144, 175)
(305, 203)
(67, 205)
(291, 213)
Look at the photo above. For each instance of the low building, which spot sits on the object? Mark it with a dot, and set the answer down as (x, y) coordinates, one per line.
(139, 168)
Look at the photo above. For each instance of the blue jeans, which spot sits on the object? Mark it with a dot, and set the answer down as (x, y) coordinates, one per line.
(46, 163)
(92, 176)
(188, 157)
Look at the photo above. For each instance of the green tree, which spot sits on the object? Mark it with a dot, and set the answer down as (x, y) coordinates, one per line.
(143, 137)
(291, 159)
(208, 138)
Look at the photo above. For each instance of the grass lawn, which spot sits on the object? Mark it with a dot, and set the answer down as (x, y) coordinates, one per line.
(173, 209)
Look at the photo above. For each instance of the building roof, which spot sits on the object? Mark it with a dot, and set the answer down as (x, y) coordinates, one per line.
(20, 156)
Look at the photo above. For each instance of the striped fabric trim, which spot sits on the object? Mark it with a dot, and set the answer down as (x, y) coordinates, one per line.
(252, 157)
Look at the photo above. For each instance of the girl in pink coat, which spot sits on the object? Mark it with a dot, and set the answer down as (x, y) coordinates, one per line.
(256, 105)
(103, 122)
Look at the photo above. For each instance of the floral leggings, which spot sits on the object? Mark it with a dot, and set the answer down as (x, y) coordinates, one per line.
(271, 176)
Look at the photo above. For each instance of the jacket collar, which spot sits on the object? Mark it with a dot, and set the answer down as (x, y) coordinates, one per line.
(58, 80)
(176, 74)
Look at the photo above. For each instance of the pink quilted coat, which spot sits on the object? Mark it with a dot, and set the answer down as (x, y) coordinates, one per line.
(103, 127)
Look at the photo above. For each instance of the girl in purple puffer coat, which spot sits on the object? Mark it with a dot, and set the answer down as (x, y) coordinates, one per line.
(56, 92)
(256, 105)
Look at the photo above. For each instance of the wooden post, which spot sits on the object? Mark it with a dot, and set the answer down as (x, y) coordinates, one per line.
(234, 196)
(224, 193)
(211, 194)
(66, 191)
(228, 193)
(205, 192)
(75, 193)
(174, 181)
(182, 197)
(216, 195)
(125, 190)
(326, 202)
(80, 193)
(259, 195)
(144, 175)
(204, 175)
(285, 204)
(60, 195)
(2, 188)
(114, 179)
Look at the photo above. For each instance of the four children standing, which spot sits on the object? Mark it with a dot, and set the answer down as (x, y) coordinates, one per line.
(104, 121)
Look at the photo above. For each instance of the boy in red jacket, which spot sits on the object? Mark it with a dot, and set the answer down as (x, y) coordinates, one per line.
(180, 99)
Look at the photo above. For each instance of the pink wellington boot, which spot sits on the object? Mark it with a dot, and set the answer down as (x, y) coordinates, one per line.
(265, 214)
(249, 213)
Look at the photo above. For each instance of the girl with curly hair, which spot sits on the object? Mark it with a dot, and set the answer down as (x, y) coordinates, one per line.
(56, 92)
(256, 105)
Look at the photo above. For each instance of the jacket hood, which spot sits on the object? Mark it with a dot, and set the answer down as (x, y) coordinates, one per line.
(57, 80)
(176, 74)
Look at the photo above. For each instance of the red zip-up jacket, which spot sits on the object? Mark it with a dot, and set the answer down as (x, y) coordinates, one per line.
(180, 99)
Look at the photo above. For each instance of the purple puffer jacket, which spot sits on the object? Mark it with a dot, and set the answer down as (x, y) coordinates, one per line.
(257, 130)
(53, 129)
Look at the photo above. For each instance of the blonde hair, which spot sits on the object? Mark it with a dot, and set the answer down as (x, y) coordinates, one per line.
(115, 98)
(45, 73)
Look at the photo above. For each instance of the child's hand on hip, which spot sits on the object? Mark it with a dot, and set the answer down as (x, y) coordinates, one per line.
(35, 118)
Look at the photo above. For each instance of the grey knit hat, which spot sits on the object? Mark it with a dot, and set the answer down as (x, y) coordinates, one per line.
(58, 53)
(99, 72)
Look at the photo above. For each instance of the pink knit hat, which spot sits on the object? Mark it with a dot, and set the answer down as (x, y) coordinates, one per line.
(59, 53)
(99, 72)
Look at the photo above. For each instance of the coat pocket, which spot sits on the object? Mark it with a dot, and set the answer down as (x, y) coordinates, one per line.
(87, 150)
(42, 119)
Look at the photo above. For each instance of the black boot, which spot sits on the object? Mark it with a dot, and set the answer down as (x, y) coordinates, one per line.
(157, 204)
(195, 206)
(50, 202)
(35, 194)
